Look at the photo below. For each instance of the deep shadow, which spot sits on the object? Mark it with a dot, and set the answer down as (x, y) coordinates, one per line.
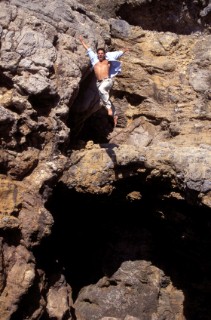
(88, 120)
(94, 234)
(11, 237)
(96, 127)
(181, 17)
(132, 98)
(5, 81)
(44, 102)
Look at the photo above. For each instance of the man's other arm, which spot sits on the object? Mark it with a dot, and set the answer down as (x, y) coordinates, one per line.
(83, 42)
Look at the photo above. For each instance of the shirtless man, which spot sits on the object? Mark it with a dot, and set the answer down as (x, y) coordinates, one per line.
(105, 67)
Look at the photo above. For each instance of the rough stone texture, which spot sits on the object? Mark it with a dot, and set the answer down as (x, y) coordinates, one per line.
(136, 291)
(54, 131)
(59, 299)
(19, 276)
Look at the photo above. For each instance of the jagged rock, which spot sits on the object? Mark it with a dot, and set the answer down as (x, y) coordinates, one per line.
(131, 293)
(55, 134)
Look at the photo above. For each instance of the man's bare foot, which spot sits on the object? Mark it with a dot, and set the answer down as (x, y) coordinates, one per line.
(110, 112)
(115, 120)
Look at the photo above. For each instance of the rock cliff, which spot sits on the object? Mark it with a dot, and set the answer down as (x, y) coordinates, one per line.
(100, 222)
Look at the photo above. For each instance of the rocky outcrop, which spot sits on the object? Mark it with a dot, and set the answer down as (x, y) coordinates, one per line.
(137, 288)
(60, 151)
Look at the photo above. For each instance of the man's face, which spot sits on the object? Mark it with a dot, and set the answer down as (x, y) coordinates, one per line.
(101, 55)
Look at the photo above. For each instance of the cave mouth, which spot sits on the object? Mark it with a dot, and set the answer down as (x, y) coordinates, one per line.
(89, 230)
(181, 17)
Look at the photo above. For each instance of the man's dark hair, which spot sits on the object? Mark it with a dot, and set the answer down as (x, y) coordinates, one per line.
(102, 49)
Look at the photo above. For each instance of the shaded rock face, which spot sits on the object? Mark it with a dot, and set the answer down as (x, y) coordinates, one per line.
(182, 17)
(97, 221)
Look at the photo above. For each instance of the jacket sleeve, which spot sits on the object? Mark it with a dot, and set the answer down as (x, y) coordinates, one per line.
(92, 56)
(114, 55)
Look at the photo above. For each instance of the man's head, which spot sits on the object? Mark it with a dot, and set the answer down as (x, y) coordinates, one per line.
(101, 54)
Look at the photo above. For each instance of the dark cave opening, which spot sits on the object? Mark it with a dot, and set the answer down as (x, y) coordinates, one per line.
(89, 230)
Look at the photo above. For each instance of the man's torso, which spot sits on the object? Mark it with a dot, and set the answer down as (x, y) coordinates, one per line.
(101, 69)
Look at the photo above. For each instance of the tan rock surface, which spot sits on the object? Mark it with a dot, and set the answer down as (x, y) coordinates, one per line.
(54, 131)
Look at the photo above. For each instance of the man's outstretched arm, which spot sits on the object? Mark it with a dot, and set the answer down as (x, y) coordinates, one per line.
(83, 42)
(92, 55)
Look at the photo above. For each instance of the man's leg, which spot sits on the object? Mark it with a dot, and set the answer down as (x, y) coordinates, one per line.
(114, 115)
(104, 88)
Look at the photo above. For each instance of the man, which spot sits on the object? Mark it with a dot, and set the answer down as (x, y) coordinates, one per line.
(105, 67)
